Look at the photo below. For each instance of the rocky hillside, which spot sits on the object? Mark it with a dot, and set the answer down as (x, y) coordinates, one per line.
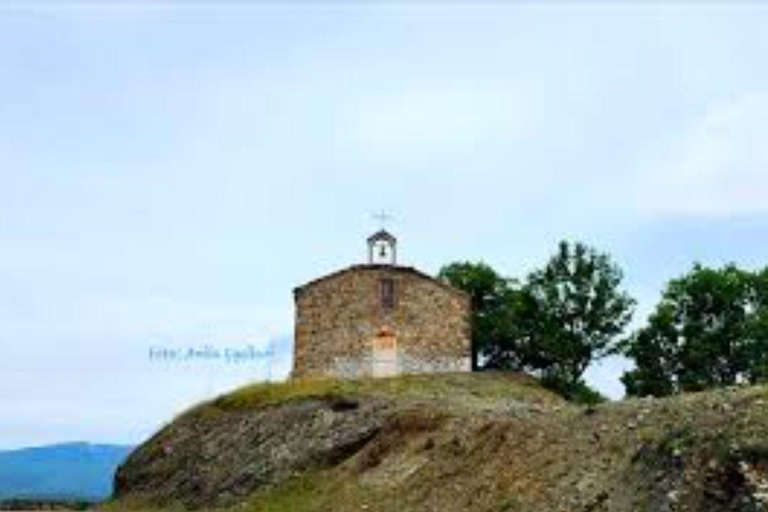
(479, 442)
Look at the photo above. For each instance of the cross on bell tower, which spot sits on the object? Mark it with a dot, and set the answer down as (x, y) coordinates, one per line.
(382, 245)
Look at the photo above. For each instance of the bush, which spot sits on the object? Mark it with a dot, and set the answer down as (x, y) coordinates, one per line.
(580, 393)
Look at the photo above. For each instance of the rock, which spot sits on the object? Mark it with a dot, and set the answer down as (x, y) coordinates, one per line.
(236, 453)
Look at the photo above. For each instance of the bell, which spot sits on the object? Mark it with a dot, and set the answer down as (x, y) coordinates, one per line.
(382, 251)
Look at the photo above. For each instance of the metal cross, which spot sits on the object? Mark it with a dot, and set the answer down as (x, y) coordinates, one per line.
(383, 217)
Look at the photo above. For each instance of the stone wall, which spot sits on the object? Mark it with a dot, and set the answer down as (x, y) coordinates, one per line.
(339, 317)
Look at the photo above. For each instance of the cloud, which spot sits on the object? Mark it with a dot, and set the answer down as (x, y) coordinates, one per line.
(719, 168)
(432, 119)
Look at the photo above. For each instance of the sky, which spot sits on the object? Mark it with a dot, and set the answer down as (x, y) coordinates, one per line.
(170, 171)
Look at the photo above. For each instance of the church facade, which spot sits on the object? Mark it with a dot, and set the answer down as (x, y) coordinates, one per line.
(380, 319)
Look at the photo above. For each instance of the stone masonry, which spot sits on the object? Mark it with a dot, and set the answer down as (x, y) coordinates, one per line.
(380, 319)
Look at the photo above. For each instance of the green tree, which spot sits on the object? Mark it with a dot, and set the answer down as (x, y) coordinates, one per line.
(575, 311)
(757, 350)
(709, 330)
(560, 320)
(492, 300)
(655, 350)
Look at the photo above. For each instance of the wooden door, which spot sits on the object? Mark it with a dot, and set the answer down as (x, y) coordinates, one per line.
(384, 354)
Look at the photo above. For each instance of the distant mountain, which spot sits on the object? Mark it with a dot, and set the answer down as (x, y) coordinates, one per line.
(60, 471)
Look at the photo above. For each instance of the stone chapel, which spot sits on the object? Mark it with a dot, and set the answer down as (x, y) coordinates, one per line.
(380, 319)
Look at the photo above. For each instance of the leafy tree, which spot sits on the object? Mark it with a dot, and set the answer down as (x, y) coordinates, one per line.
(757, 351)
(575, 312)
(564, 316)
(492, 298)
(656, 353)
(709, 330)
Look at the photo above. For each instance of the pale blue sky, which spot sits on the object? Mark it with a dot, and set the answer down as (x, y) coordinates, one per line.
(169, 172)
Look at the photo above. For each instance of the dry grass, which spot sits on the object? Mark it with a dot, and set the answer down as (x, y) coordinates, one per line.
(571, 459)
(454, 387)
(627, 456)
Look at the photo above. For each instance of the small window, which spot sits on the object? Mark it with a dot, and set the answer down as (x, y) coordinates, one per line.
(387, 293)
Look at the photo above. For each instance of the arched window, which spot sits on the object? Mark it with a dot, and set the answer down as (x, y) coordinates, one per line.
(387, 293)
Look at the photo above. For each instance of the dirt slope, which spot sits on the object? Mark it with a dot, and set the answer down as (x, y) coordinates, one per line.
(479, 442)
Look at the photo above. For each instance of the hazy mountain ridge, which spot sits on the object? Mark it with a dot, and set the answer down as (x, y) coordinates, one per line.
(76, 470)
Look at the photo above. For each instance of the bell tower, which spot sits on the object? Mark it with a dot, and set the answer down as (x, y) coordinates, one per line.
(382, 248)
(382, 245)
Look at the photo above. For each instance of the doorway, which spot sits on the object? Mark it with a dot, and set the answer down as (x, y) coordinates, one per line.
(385, 353)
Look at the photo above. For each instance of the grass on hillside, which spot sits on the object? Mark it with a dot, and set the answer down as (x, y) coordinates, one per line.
(487, 385)
(505, 463)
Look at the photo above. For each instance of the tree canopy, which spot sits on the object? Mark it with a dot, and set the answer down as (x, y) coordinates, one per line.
(491, 296)
(579, 311)
(709, 330)
(561, 318)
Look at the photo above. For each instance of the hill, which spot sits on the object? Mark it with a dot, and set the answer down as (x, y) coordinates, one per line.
(481, 442)
(68, 471)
